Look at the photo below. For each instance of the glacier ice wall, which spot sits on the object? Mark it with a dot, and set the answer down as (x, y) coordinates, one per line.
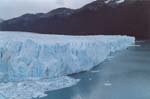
(26, 56)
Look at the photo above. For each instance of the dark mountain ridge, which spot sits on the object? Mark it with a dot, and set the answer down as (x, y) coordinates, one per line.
(128, 18)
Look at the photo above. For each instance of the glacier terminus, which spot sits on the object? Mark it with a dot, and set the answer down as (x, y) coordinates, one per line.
(32, 64)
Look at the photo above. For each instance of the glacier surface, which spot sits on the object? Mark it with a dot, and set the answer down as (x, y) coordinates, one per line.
(27, 56)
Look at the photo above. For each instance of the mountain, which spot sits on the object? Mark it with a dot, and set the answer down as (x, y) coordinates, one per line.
(130, 17)
(1, 20)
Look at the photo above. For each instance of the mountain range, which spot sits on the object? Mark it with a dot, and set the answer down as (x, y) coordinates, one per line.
(107, 17)
(1, 20)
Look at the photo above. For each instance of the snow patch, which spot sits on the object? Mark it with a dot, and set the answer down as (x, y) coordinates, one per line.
(120, 1)
(107, 1)
(116, 1)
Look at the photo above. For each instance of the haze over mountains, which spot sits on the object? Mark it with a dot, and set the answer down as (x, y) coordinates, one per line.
(1, 20)
(99, 17)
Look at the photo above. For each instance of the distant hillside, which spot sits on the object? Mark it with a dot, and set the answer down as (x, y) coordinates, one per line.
(1, 20)
(99, 17)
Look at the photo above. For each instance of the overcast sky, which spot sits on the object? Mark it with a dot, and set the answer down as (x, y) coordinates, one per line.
(14, 8)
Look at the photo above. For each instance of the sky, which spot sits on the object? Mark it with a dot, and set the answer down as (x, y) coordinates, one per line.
(14, 8)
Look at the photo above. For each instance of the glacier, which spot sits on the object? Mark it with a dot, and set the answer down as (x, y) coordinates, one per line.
(33, 57)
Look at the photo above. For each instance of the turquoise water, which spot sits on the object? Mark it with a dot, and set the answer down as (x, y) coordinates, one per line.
(125, 76)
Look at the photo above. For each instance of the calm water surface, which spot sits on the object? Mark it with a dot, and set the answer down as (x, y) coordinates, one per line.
(125, 76)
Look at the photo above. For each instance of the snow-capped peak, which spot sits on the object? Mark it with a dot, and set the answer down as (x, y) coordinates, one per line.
(116, 1)
(108, 1)
(120, 1)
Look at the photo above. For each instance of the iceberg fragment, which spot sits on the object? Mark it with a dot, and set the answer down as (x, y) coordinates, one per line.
(34, 88)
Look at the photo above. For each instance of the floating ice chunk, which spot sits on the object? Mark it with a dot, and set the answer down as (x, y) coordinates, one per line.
(95, 71)
(110, 57)
(90, 78)
(136, 45)
(35, 88)
(78, 96)
(107, 83)
(140, 41)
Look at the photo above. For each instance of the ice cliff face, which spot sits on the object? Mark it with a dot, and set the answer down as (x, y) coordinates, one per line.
(41, 62)
(26, 56)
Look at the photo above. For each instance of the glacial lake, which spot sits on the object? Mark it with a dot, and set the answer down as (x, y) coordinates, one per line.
(126, 75)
